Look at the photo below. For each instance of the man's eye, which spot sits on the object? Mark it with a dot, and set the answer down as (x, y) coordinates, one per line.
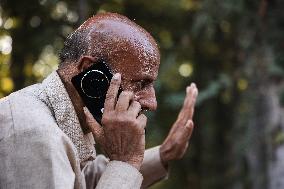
(143, 84)
(139, 84)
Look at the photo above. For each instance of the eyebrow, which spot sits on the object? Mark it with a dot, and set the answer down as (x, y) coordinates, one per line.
(146, 77)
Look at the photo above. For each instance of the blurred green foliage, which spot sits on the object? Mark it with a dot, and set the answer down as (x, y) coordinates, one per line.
(211, 42)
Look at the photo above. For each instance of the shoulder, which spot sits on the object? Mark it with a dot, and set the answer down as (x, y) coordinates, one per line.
(6, 121)
(30, 126)
(34, 143)
(29, 115)
(28, 109)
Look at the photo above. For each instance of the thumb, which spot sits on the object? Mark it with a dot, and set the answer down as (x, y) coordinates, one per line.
(187, 131)
(95, 127)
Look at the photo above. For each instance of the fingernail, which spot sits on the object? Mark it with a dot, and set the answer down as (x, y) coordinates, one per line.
(86, 110)
(117, 76)
(188, 123)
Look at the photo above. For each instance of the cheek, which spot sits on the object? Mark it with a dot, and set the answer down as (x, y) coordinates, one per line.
(147, 93)
(128, 86)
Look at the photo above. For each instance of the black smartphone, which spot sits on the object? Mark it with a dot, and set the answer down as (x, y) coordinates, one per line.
(92, 85)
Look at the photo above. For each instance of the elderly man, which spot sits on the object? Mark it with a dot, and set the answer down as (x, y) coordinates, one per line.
(47, 134)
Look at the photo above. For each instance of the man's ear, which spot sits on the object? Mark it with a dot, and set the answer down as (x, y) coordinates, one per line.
(85, 62)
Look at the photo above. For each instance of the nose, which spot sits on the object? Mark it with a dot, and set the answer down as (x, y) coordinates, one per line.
(147, 99)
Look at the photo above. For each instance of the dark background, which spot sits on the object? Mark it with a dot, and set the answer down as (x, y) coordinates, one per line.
(232, 49)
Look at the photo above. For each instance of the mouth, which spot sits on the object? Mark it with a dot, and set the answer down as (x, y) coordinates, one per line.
(144, 110)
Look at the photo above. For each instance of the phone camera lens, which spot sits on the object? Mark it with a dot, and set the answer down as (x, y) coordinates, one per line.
(95, 84)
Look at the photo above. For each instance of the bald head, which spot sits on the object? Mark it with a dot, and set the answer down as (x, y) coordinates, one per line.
(107, 36)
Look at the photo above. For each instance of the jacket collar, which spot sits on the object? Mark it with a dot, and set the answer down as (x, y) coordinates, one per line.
(64, 113)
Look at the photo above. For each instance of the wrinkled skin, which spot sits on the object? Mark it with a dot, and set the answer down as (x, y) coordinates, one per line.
(132, 52)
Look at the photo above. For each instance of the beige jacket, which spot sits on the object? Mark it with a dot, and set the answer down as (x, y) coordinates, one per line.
(42, 146)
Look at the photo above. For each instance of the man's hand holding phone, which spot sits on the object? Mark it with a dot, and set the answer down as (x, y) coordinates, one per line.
(122, 134)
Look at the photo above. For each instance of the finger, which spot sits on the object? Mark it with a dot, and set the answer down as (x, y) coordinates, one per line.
(187, 130)
(195, 94)
(112, 92)
(95, 127)
(124, 100)
(191, 94)
(189, 102)
(183, 133)
(142, 119)
(134, 108)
